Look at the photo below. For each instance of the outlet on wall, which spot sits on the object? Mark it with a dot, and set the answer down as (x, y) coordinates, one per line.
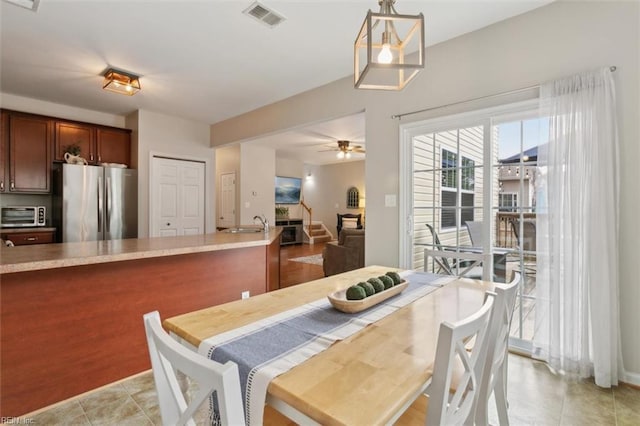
(246, 294)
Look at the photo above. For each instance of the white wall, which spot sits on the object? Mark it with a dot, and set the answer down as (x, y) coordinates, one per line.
(257, 184)
(36, 106)
(228, 161)
(171, 137)
(550, 42)
(325, 191)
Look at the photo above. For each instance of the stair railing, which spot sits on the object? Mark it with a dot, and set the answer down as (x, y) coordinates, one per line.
(309, 211)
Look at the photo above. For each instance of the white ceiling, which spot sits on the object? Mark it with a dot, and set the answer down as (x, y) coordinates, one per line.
(204, 60)
(318, 143)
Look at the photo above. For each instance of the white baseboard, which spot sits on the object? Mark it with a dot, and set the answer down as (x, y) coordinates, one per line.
(631, 378)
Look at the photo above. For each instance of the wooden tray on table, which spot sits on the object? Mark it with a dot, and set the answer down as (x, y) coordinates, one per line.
(339, 299)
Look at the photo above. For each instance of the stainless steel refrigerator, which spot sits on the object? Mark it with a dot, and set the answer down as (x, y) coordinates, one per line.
(93, 203)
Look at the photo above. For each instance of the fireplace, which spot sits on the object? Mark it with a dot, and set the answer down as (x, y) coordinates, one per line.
(291, 231)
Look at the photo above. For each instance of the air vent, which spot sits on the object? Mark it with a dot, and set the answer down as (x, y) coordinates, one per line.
(262, 13)
(27, 4)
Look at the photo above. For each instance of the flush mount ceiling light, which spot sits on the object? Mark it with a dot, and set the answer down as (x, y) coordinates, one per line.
(389, 49)
(121, 82)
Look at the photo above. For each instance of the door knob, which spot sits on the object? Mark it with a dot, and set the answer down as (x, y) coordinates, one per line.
(168, 224)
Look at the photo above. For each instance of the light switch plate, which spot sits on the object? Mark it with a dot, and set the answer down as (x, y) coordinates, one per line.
(390, 200)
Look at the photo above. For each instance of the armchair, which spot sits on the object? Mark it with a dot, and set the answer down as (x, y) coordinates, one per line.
(358, 218)
(344, 255)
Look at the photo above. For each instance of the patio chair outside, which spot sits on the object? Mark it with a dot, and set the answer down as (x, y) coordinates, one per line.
(474, 228)
(526, 241)
(460, 265)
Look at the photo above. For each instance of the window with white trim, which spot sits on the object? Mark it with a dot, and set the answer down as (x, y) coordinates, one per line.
(507, 201)
(449, 189)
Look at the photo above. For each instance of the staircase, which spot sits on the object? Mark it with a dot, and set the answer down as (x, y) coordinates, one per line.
(314, 232)
(317, 233)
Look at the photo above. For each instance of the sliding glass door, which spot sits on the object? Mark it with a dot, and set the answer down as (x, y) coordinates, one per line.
(447, 183)
(468, 185)
(519, 192)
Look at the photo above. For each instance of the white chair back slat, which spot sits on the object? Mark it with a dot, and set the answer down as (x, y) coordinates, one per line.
(168, 357)
(494, 371)
(457, 408)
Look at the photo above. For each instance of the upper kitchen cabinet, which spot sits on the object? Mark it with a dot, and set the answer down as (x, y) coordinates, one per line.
(4, 134)
(81, 135)
(114, 145)
(29, 141)
(97, 144)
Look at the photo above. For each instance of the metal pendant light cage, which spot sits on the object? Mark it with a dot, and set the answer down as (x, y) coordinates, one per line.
(403, 38)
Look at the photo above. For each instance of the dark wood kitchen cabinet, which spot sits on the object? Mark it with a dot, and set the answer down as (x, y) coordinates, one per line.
(82, 135)
(97, 144)
(4, 154)
(28, 141)
(113, 145)
(29, 237)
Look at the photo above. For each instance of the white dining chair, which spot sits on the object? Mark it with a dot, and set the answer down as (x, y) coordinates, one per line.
(494, 372)
(168, 356)
(450, 403)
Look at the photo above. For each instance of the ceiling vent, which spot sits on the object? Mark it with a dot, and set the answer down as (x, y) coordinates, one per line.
(262, 13)
(27, 4)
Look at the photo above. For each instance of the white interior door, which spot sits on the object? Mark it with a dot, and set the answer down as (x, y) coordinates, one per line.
(179, 197)
(227, 200)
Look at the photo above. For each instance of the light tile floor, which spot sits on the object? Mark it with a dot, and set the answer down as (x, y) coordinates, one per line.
(536, 397)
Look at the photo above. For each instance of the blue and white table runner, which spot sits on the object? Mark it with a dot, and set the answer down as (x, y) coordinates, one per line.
(269, 347)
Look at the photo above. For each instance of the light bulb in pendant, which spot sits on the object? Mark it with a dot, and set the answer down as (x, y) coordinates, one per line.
(340, 155)
(385, 56)
(347, 155)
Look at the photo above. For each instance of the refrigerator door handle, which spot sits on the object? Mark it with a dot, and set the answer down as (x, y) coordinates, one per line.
(107, 190)
(100, 202)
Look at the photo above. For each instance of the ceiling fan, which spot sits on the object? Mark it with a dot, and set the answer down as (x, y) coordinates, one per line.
(344, 149)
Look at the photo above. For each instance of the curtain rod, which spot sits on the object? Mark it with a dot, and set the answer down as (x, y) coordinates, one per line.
(509, 92)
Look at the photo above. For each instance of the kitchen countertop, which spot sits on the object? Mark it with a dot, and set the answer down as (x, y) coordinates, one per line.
(50, 256)
(32, 229)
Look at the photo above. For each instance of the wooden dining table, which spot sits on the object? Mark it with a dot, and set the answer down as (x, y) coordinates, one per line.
(368, 378)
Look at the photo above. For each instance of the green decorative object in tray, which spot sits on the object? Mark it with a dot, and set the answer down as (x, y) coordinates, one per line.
(339, 299)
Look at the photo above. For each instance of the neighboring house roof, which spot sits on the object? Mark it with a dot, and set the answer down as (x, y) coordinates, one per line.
(531, 153)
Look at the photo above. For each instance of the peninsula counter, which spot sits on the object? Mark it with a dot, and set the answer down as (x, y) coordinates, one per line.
(71, 313)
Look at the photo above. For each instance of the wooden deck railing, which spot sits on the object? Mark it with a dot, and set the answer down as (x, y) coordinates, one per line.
(504, 231)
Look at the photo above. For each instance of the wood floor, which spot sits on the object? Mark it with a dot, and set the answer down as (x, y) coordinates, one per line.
(292, 273)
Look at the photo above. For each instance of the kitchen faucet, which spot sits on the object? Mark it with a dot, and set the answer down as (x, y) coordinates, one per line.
(265, 222)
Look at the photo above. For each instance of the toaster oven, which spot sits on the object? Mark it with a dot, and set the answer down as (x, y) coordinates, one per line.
(23, 216)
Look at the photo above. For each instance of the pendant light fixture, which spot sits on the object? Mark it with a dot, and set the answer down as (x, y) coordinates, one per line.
(121, 82)
(389, 49)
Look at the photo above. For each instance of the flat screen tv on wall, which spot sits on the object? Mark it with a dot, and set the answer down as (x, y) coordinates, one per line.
(288, 190)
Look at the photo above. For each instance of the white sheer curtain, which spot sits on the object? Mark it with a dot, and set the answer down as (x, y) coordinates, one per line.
(577, 319)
